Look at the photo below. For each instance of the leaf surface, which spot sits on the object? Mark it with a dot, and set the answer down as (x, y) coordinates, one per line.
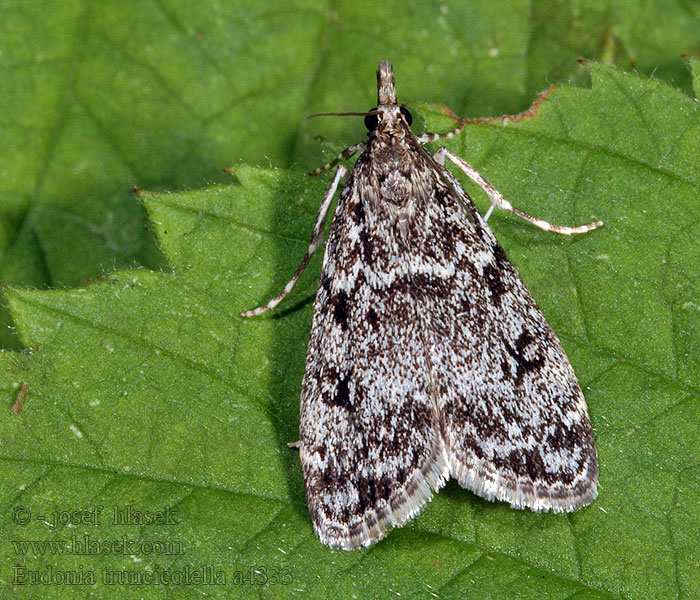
(147, 390)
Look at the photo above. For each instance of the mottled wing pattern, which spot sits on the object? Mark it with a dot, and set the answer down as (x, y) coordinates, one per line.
(371, 449)
(514, 419)
(429, 357)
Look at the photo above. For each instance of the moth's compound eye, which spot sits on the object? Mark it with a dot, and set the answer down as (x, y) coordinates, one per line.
(407, 115)
(371, 121)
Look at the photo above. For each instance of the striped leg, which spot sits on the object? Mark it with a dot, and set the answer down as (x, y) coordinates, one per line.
(316, 241)
(498, 200)
(426, 138)
(347, 153)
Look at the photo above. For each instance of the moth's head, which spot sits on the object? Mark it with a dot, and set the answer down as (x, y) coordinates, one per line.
(387, 118)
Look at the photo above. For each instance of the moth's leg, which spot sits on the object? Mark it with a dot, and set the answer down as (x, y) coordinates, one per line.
(316, 240)
(497, 198)
(426, 138)
(347, 153)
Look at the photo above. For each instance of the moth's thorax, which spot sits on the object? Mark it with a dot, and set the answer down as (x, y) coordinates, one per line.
(392, 175)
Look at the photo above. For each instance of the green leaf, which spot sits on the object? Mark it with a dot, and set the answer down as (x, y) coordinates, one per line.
(99, 97)
(147, 390)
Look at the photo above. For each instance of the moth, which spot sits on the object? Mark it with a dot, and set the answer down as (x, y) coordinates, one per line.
(428, 357)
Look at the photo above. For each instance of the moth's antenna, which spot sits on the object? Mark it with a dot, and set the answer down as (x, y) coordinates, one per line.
(345, 114)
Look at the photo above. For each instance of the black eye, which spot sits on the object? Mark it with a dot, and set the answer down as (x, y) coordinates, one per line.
(407, 115)
(371, 121)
